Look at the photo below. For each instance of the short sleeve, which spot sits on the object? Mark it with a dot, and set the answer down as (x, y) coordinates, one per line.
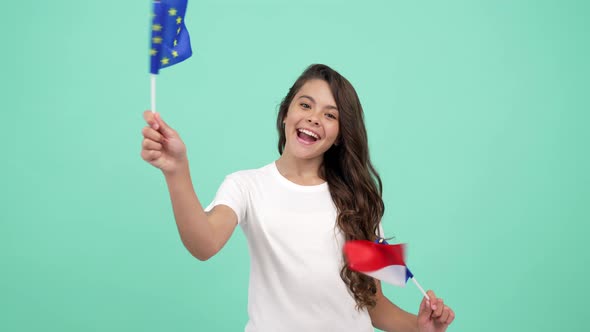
(230, 193)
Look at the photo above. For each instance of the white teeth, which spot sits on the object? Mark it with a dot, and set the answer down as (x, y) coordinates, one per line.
(310, 133)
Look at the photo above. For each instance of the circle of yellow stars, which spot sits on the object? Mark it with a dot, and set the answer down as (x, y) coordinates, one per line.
(158, 39)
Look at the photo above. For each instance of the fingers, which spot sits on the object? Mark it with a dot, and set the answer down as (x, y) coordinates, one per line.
(164, 128)
(440, 307)
(439, 311)
(451, 316)
(151, 145)
(150, 150)
(148, 144)
(151, 134)
(445, 314)
(433, 299)
(161, 146)
(425, 310)
(433, 314)
(150, 118)
(155, 121)
(150, 155)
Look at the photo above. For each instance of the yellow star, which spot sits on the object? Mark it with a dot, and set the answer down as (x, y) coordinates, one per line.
(164, 61)
(178, 31)
(157, 40)
(178, 20)
(156, 27)
(175, 42)
(174, 53)
(153, 52)
(172, 12)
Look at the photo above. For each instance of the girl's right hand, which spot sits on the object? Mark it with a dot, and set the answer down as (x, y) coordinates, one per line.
(162, 146)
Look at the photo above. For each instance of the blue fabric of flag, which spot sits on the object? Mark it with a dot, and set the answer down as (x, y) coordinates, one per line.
(170, 41)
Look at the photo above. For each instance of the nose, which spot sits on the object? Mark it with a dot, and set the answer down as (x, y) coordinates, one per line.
(313, 121)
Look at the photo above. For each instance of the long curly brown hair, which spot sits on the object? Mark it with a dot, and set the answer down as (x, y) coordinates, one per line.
(355, 185)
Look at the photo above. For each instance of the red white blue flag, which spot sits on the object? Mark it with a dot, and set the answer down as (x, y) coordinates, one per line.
(379, 260)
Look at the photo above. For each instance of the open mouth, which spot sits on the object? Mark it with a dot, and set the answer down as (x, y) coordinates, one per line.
(307, 136)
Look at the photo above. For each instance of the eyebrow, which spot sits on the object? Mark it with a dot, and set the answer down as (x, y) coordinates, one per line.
(313, 100)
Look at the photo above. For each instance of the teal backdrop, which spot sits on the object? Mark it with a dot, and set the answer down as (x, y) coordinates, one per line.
(477, 113)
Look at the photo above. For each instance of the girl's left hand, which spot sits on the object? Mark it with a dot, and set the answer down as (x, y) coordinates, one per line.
(434, 315)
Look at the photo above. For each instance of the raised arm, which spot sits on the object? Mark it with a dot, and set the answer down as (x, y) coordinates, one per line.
(203, 234)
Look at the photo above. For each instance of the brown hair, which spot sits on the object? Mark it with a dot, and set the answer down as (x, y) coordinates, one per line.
(355, 185)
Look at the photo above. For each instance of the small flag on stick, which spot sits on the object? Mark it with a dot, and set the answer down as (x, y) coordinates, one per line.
(380, 260)
(170, 41)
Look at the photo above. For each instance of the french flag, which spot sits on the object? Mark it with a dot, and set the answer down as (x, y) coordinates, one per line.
(379, 260)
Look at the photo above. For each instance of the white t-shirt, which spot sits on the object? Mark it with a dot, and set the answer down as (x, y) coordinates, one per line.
(296, 254)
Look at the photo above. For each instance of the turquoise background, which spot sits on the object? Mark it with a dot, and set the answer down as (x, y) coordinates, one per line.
(477, 113)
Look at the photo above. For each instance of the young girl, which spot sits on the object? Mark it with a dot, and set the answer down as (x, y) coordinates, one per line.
(296, 213)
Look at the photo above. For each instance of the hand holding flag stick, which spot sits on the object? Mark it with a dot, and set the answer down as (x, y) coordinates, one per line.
(380, 260)
(170, 42)
(386, 262)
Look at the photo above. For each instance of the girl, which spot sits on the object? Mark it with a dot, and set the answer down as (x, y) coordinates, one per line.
(296, 213)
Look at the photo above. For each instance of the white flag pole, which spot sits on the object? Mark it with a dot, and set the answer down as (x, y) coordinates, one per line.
(153, 92)
(420, 288)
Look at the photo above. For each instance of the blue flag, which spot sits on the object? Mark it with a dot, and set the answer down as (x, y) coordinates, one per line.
(170, 42)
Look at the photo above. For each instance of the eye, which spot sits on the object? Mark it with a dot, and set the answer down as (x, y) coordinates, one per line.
(331, 116)
(304, 105)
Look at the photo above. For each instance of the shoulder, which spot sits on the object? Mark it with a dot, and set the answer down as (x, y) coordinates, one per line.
(251, 174)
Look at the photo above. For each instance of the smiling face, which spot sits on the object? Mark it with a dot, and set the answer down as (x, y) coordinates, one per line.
(311, 124)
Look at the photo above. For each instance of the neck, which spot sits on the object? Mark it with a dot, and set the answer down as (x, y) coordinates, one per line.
(304, 172)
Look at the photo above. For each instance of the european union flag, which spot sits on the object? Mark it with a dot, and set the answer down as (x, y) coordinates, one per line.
(170, 40)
